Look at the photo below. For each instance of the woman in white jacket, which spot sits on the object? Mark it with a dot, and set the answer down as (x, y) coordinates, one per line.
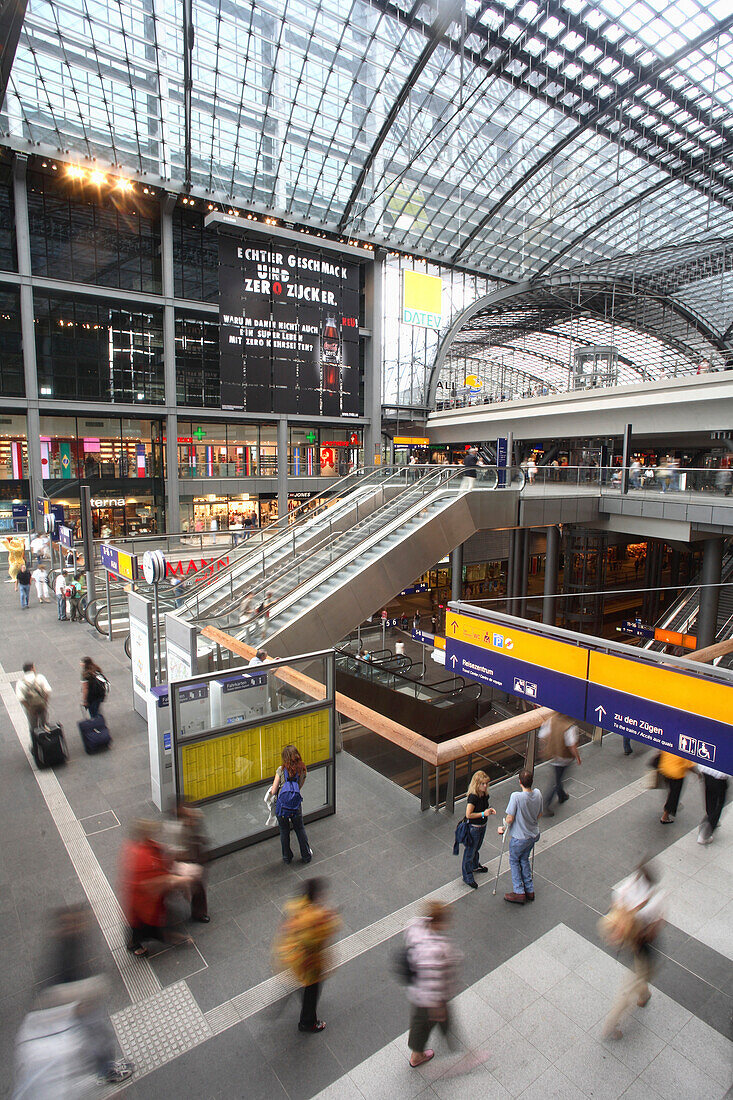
(432, 959)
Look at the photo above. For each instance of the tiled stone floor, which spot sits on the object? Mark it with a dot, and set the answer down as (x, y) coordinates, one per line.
(216, 1027)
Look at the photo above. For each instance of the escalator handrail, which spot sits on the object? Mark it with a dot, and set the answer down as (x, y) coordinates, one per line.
(291, 563)
(286, 527)
(338, 562)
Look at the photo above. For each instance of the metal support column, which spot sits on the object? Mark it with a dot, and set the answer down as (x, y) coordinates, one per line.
(456, 577)
(626, 459)
(282, 470)
(517, 570)
(510, 569)
(707, 616)
(450, 794)
(28, 336)
(526, 546)
(552, 559)
(424, 785)
(172, 487)
(374, 312)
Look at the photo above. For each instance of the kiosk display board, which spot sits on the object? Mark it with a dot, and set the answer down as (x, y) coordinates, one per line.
(288, 328)
(229, 761)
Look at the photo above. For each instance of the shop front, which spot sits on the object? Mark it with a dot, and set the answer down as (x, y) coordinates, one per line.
(220, 513)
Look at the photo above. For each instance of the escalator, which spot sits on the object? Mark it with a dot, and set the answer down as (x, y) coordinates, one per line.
(315, 587)
(682, 616)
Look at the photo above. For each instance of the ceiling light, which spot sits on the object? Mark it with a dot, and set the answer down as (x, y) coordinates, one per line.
(74, 172)
(97, 178)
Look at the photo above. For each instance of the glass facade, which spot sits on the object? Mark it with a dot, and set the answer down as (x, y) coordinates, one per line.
(13, 447)
(196, 258)
(197, 362)
(8, 256)
(12, 378)
(89, 350)
(93, 234)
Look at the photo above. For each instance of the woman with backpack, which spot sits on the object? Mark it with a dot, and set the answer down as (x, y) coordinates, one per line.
(94, 686)
(289, 778)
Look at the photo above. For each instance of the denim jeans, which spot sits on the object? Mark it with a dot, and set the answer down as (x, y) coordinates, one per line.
(61, 603)
(519, 853)
(627, 745)
(470, 852)
(25, 591)
(557, 787)
(93, 707)
(284, 824)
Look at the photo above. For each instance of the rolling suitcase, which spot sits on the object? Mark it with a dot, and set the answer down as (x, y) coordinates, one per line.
(94, 734)
(48, 746)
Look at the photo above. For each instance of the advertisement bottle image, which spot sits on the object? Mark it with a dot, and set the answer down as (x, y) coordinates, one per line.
(331, 357)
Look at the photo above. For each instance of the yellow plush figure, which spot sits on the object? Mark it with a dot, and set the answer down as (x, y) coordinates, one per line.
(16, 556)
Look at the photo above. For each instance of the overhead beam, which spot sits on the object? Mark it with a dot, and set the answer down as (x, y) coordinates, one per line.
(437, 30)
(188, 40)
(612, 104)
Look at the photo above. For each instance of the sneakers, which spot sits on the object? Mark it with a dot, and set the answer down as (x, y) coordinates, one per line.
(317, 1026)
(119, 1071)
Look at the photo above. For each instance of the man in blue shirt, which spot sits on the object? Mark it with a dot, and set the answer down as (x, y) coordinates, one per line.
(522, 814)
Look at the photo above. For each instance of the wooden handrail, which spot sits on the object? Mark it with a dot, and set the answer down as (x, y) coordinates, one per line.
(435, 754)
(391, 731)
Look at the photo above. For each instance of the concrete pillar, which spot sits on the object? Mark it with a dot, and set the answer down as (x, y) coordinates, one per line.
(373, 315)
(28, 336)
(707, 616)
(456, 581)
(282, 469)
(552, 559)
(526, 547)
(172, 487)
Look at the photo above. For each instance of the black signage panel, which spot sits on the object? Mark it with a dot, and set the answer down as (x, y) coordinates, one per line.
(289, 328)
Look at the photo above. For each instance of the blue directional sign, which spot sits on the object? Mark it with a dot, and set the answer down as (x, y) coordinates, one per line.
(665, 707)
(66, 537)
(423, 637)
(670, 707)
(119, 562)
(542, 670)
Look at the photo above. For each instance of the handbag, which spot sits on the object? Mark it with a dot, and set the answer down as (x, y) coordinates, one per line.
(619, 927)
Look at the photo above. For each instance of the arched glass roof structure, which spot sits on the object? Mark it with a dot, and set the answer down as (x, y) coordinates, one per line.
(510, 137)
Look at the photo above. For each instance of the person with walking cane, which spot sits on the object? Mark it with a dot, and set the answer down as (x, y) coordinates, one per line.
(522, 816)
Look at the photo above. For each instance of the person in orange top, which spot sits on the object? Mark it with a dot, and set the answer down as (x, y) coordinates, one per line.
(674, 769)
(146, 880)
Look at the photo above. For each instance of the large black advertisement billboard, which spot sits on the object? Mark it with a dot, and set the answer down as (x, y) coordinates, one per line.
(288, 328)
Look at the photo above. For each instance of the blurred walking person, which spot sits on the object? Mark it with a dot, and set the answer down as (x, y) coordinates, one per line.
(147, 879)
(477, 810)
(634, 922)
(188, 846)
(40, 578)
(66, 1046)
(716, 789)
(522, 817)
(432, 960)
(33, 692)
(559, 744)
(674, 769)
(302, 946)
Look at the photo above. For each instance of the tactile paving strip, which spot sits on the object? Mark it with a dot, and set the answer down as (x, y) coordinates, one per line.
(137, 974)
(165, 1026)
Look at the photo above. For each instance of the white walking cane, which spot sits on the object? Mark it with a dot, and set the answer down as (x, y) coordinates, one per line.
(501, 855)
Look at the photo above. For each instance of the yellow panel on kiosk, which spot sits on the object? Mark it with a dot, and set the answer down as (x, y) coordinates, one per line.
(237, 759)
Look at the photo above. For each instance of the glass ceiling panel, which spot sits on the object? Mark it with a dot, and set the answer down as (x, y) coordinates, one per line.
(501, 145)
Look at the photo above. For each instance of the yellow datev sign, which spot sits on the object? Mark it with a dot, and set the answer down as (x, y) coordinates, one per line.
(234, 760)
(422, 299)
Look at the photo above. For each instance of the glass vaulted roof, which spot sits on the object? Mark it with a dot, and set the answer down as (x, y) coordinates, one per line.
(505, 136)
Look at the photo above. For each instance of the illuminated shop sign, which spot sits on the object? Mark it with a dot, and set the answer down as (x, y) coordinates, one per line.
(422, 299)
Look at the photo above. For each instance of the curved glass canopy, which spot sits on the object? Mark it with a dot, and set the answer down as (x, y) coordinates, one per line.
(509, 137)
